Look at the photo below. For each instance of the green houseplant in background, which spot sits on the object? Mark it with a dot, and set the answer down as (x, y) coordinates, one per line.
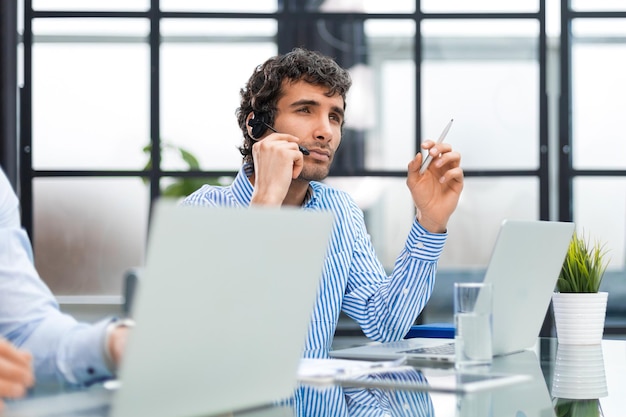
(181, 186)
(579, 306)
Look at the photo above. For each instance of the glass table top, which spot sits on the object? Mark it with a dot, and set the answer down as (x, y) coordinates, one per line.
(562, 380)
(565, 380)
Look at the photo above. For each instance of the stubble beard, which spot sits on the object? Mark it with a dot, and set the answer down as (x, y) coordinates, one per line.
(315, 172)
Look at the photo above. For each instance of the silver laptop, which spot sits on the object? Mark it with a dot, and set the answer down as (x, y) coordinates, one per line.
(225, 304)
(523, 270)
(222, 313)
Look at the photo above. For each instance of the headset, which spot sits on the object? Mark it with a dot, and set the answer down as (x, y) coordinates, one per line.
(259, 124)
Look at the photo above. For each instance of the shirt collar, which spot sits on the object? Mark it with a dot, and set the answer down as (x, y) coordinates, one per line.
(242, 188)
(310, 199)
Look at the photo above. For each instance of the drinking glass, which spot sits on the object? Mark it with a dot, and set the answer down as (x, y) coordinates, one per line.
(473, 324)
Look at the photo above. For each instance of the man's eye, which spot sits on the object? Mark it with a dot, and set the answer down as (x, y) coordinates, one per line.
(304, 109)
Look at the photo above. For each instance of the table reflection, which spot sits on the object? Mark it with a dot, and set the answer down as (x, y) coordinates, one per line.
(356, 402)
(564, 381)
(579, 372)
(579, 380)
(530, 398)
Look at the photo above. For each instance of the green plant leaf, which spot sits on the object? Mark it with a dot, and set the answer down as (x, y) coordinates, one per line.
(583, 267)
(191, 160)
(577, 408)
(180, 187)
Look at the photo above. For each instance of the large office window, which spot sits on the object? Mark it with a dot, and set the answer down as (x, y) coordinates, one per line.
(107, 85)
(102, 81)
(596, 165)
(592, 145)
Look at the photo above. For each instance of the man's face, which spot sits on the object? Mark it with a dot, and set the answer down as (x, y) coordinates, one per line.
(306, 112)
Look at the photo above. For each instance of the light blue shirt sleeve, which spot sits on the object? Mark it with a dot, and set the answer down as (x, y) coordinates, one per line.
(63, 349)
(9, 205)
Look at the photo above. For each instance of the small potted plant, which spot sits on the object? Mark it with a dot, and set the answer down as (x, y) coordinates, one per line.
(579, 306)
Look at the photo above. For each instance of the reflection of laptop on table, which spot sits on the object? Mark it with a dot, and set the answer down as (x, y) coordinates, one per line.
(523, 270)
(528, 399)
(222, 313)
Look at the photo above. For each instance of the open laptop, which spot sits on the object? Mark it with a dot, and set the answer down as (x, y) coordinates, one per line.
(225, 304)
(523, 269)
(222, 312)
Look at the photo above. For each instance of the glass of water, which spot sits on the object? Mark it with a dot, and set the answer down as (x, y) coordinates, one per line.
(473, 303)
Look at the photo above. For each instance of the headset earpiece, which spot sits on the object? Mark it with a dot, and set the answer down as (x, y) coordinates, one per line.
(258, 125)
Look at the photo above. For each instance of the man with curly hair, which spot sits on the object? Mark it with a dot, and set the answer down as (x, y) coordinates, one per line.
(291, 115)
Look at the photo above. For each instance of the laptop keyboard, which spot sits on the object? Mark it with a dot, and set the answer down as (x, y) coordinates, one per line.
(445, 349)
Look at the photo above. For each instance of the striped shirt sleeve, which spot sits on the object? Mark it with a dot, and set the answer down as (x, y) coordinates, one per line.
(386, 306)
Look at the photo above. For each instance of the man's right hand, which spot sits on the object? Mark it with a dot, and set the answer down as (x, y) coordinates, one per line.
(277, 161)
(16, 371)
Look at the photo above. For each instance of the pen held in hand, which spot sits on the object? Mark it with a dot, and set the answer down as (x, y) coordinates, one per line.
(429, 158)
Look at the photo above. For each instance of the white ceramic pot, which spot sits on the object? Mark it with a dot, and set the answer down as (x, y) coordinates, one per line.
(579, 372)
(579, 317)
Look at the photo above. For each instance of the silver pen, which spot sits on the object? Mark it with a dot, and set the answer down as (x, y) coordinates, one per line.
(429, 158)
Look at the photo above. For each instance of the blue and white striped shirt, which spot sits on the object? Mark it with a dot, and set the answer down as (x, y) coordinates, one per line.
(312, 401)
(353, 278)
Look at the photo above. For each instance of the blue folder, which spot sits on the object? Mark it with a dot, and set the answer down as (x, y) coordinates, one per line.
(439, 330)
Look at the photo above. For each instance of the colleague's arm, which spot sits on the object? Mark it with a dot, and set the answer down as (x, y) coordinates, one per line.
(62, 349)
(16, 372)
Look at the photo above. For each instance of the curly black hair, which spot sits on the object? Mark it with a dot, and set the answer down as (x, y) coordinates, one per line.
(264, 88)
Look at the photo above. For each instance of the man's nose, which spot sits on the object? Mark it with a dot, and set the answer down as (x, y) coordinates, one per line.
(324, 131)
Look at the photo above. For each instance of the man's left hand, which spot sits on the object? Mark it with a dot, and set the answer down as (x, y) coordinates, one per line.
(436, 192)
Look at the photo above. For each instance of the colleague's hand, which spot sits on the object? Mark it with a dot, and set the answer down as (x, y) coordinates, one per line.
(277, 161)
(16, 371)
(117, 344)
(436, 192)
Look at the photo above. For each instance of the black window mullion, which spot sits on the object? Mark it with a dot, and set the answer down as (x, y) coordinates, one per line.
(565, 155)
(25, 161)
(418, 52)
(8, 93)
(544, 148)
(155, 99)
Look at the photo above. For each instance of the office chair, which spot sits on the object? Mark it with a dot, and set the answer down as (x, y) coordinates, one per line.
(131, 281)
